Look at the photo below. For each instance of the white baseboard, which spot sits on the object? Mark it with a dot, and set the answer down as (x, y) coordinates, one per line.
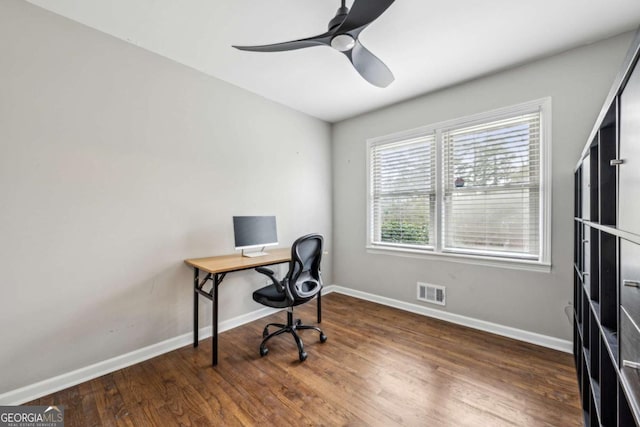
(494, 328)
(51, 385)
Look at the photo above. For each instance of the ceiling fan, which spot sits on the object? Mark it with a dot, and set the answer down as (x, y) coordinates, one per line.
(342, 35)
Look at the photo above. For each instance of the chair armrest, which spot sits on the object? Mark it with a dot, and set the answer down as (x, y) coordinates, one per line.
(269, 272)
(265, 270)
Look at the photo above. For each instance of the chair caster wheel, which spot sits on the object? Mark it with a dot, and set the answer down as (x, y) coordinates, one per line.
(323, 338)
(303, 356)
(263, 351)
(298, 322)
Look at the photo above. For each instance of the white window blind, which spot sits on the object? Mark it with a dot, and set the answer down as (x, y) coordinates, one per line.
(491, 187)
(403, 192)
(475, 187)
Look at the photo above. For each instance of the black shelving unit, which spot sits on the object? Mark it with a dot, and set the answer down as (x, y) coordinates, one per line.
(606, 336)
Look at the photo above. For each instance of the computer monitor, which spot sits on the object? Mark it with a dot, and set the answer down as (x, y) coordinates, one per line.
(251, 232)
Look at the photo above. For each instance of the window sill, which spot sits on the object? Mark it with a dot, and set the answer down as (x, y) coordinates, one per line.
(513, 264)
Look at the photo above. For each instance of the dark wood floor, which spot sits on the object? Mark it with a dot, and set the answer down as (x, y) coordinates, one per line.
(379, 367)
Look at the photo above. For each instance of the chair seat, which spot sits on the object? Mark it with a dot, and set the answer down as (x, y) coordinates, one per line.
(271, 297)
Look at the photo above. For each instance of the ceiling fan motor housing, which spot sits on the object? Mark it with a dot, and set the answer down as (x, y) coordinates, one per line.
(341, 15)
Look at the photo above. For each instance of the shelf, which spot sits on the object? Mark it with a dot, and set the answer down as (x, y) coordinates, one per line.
(595, 308)
(611, 343)
(587, 359)
(632, 237)
(595, 395)
(580, 329)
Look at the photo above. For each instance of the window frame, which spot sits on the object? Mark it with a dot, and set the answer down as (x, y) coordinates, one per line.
(437, 251)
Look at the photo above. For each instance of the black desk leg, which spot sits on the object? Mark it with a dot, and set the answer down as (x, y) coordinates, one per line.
(196, 278)
(214, 320)
(320, 306)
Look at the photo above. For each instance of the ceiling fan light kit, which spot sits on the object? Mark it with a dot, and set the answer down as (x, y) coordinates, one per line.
(343, 33)
(343, 42)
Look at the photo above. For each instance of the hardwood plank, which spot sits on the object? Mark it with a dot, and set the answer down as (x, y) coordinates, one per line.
(379, 367)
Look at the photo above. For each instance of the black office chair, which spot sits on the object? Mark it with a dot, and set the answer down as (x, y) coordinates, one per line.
(301, 284)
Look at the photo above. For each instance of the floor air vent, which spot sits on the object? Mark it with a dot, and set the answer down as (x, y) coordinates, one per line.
(431, 293)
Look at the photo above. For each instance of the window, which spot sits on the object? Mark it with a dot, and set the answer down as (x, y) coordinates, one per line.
(475, 187)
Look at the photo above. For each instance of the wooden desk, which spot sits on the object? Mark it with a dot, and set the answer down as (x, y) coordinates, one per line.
(217, 268)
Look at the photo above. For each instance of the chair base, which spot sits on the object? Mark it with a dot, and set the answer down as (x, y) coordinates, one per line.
(291, 327)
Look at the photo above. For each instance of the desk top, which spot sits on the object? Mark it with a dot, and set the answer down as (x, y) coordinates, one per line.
(236, 262)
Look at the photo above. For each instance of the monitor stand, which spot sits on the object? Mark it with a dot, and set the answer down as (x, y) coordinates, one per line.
(255, 254)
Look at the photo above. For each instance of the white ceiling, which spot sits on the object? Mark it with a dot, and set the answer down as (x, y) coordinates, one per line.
(427, 44)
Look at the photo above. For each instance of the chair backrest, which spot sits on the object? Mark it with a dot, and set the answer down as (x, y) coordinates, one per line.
(304, 278)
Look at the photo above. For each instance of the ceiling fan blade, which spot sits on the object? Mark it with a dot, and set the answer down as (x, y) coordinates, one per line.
(370, 67)
(362, 13)
(319, 40)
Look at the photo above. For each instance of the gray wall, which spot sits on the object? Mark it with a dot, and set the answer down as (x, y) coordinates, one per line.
(117, 164)
(578, 82)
